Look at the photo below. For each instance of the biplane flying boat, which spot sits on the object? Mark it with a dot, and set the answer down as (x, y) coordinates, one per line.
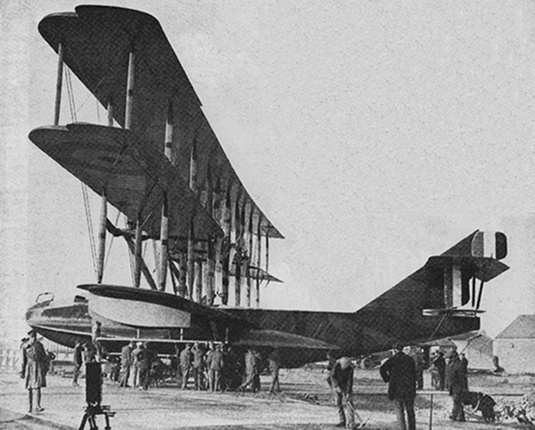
(158, 162)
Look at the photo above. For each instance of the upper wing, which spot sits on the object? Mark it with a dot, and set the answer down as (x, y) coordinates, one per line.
(97, 41)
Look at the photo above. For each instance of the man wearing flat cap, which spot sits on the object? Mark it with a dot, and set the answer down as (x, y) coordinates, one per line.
(400, 373)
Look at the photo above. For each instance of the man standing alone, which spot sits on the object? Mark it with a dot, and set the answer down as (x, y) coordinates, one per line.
(33, 370)
(400, 373)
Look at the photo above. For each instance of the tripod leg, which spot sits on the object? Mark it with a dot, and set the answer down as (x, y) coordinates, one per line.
(84, 420)
(108, 427)
(93, 423)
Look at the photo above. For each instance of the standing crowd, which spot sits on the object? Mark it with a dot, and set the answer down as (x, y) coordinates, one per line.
(219, 367)
(213, 366)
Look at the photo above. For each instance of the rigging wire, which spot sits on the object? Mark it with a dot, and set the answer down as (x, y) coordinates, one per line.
(87, 207)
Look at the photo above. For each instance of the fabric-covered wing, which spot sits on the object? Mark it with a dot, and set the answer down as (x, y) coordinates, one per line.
(97, 41)
(135, 176)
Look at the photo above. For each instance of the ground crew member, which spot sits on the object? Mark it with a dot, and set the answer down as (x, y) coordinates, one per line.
(274, 366)
(419, 365)
(146, 356)
(400, 373)
(458, 384)
(198, 366)
(33, 369)
(252, 371)
(214, 362)
(342, 385)
(77, 359)
(331, 361)
(440, 364)
(464, 360)
(135, 363)
(126, 363)
(185, 365)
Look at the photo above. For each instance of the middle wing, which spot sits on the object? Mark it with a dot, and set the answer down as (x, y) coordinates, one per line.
(135, 176)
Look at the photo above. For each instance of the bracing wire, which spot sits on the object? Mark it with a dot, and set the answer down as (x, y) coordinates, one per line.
(87, 207)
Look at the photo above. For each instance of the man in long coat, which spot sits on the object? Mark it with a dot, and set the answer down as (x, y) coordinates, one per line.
(33, 369)
(458, 384)
(400, 373)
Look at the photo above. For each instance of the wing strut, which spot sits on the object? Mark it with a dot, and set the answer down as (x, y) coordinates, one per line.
(59, 84)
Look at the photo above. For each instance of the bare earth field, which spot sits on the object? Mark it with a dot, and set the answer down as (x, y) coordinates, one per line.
(305, 402)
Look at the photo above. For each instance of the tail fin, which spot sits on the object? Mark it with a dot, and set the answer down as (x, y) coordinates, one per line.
(457, 271)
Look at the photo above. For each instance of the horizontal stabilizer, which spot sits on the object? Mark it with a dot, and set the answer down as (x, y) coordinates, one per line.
(484, 268)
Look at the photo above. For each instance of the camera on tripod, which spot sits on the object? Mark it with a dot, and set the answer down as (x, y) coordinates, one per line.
(93, 398)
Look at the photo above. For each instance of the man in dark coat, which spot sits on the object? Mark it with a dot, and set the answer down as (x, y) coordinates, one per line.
(400, 373)
(146, 358)
(458, 385)
(440, 364)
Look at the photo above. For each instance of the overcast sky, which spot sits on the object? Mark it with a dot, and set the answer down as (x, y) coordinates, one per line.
(373, 134)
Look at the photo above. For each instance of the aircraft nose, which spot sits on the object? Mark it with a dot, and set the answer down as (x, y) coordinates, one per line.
(34, 315)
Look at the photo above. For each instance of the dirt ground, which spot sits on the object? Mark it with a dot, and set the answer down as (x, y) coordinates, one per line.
(305, 403)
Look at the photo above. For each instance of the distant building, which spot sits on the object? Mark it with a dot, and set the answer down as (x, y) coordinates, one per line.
(515, 346)
(477, 348)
